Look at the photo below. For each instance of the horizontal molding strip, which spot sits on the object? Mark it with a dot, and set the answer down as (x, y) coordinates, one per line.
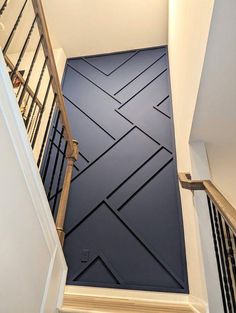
(98, 304)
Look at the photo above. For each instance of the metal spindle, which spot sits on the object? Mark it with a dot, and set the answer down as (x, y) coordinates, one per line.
(59, 178)
(35, 122)
(231, 251)
(23, 49)
(29, 128)
(51, 145)
(55, 164)
(41, 112)
(222, 261)
(226, 262)
(24, 111)
(217, 254)
(36, 92)
(46, 131)
(9, 40)
(30, 71)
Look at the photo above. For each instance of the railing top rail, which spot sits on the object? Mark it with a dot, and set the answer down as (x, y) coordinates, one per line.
(222, 204)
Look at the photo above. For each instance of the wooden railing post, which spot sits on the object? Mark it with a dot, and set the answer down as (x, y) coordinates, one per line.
(65, 192)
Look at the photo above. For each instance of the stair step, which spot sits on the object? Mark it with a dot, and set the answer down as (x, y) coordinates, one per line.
(85, 303)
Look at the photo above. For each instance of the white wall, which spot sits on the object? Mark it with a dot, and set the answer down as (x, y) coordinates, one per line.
(222, 160)
(215, 116)
(189, 22)
(32, 265)
(200, 170)
(101, 26)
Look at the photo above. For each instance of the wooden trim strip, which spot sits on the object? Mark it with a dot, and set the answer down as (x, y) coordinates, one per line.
(221, 203)
(20, 77)
(104, 304)
(47, 47)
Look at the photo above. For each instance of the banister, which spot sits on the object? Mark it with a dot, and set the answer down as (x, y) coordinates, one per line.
(72, 145)
(222, 204)
(35, 110)
(48, 51)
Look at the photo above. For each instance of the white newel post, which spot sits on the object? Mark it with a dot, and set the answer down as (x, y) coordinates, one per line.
(32, 264)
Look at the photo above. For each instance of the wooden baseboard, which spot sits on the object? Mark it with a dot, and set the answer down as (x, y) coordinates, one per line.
(84, 303)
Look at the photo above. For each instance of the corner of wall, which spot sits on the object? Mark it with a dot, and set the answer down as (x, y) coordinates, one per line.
(60, 59)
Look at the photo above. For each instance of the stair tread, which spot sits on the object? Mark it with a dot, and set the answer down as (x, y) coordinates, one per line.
(75, 303)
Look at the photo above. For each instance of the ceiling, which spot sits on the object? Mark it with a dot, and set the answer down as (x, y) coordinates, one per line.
(88, 27)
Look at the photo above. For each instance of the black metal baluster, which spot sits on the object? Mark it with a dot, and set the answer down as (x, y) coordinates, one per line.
(29, 128)
(35, 123)
(51, 145)
(25, 109)
(235, 240)
(23, 49)
(231, 251)
(46, 131)
(217, 255)
(30, 71)
(222, 261)
(226, 262)
(3, 7)
(55, 164)
(36, 92)
(41, 113)
(9, 40)
(59, 179)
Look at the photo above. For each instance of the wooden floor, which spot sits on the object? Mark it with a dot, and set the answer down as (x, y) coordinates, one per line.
(96, 303)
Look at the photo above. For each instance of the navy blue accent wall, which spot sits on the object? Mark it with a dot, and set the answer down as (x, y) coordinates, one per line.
(124, 222)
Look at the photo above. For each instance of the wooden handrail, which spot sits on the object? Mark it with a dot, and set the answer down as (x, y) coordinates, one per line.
(65, 193)
(187, 183)
(47, 47)
(21, 79)
(222, 204)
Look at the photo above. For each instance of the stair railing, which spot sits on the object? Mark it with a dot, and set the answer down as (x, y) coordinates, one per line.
(43, 108)
(223, 226)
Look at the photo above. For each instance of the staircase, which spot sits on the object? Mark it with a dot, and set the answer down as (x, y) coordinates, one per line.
(43, 111)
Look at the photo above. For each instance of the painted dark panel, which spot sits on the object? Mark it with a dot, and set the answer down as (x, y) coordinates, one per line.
(124, 221)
